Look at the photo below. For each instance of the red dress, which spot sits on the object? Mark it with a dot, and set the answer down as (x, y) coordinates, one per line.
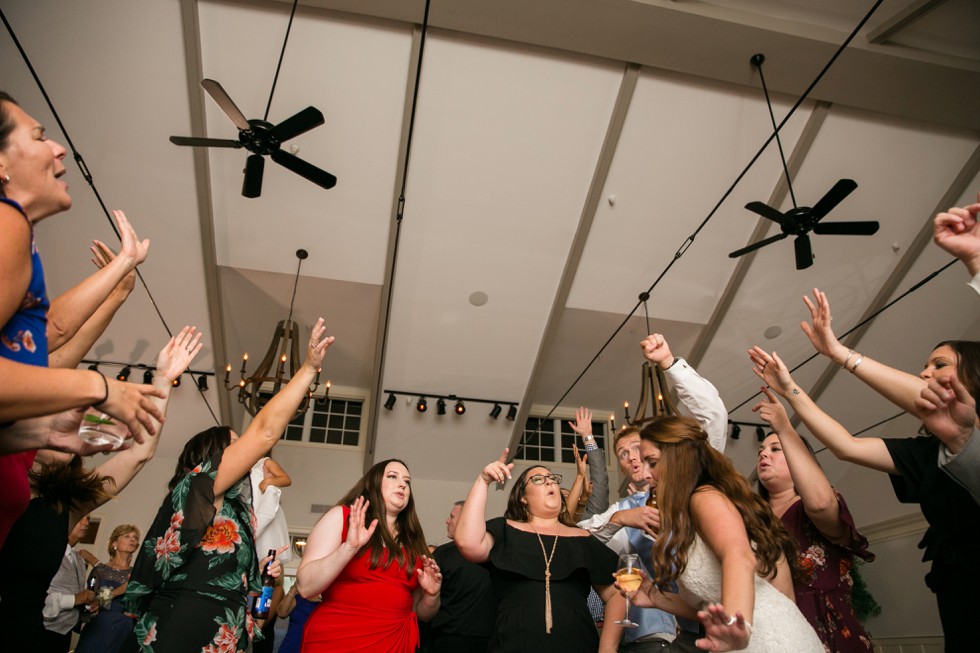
(364, 609)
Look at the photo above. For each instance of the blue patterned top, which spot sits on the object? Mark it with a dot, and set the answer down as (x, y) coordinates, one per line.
(24, 338)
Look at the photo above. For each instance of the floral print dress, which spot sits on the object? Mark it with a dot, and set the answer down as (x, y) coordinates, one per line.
(824, 594)
(195, 569)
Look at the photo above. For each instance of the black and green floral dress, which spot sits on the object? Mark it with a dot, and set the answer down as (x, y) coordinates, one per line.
(195, 569)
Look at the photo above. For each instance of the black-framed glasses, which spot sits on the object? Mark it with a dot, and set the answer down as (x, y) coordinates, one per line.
(540, 479)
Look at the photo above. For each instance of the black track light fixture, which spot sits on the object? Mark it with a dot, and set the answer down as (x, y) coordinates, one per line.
(94, 367)
(441, 406)
(202, 383)
(736, 431)
(460, 408)
(495, 411)
(176, 382)
(124, 374)
(390, 401)
(148, 377)
(422, 405)
(760, 433)
(512, 413)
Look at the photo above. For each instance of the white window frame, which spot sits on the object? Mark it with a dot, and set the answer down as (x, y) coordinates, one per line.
(345, 393)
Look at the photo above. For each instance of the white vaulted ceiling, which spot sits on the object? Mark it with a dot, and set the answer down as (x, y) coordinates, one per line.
(562, 152)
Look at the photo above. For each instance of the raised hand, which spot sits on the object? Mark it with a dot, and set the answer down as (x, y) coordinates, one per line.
(430, 576)
(772, 370)
(948, 411)
(318, 345)
(723, 632)
(820, 333)
(583, 422)
(581, 462)
(357, 534)
(656, 350)
(498, 470)
(177, 354)
(132, 250)
(773, 411)
(958, 232)
(101, 257)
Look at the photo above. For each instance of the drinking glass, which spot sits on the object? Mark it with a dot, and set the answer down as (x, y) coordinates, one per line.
(98, 429)
(629, 578)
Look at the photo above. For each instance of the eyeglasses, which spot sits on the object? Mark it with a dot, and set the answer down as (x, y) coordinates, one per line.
(540, 479)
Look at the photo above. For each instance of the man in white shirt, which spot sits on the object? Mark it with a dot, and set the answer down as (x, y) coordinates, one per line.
(67, 596)
(629, 525)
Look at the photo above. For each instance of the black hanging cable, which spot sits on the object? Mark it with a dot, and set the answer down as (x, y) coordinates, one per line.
(690, 239)
(757, 61)
(282, 53)
(860, 324)
(80, 162)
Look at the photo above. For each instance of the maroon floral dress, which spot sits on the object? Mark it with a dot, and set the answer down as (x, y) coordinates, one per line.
(824, 595)
(195, 569)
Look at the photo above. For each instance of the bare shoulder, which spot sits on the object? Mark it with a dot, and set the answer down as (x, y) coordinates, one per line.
(574, 531)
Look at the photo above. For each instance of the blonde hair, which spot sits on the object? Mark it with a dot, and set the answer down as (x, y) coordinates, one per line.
(119, 531)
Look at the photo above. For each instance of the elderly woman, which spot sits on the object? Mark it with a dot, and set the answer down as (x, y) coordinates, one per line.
(63, 493)
(913, 465)
(541, 565)
(31, 189)
(722, 545)
(108, 628)
(791, 480)
(368, 558)
(198, 564)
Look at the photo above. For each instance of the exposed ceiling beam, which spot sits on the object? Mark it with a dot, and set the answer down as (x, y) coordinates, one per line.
(613, 133)
(205, 205)
(902, 19)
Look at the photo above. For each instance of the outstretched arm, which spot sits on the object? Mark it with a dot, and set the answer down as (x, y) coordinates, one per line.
(869, 452)
(472, 538)
(819, 498)
(896, 386)
(598, 500)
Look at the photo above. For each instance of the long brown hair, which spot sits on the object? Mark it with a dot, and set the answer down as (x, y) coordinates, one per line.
(410, 536)
(688, 463)
(198, 449)
(517, 509)
(66, 486)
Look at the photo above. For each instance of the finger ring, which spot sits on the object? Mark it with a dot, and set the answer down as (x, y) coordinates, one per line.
(731, 621)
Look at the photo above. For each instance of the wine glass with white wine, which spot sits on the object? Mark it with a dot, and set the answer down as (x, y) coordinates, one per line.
(629, 578)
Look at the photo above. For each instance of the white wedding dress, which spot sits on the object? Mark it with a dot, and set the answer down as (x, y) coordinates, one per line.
(777, 624)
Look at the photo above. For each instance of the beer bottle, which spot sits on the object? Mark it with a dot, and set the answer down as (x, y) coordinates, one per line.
(260, 610)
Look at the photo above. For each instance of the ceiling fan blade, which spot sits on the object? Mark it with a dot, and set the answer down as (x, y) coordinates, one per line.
(222, 99)
(319, 177)
(833, 197)
(846, 228)
(254, 165)
(766, 211)
(203, 142)
(757, 245)
(804, 252)
(303, 121)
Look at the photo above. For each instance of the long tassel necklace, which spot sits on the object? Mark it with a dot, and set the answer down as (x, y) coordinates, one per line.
(547, 575)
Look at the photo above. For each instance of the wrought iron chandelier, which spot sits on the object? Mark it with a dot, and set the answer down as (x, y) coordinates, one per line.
(255, 390)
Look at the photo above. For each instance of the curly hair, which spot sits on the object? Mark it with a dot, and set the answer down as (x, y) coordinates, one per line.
(688, 464)
(517, 508)
(410, 537)
(119, 531)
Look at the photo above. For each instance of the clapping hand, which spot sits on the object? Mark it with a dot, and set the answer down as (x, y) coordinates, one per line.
(430, 576)
(723, 632)
(498, 470)
(772, 370)
(357, 534)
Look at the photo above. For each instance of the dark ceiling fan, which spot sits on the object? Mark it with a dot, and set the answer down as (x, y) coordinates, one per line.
(262, 138)
(799, 221)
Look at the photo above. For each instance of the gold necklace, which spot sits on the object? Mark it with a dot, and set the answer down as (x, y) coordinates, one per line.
(785, 503)
(547, 574)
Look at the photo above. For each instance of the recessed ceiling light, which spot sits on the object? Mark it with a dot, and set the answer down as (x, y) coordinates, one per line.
(479, 298)
(773, 332)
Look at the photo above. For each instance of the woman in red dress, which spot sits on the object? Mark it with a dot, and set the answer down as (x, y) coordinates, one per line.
(367, 556)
